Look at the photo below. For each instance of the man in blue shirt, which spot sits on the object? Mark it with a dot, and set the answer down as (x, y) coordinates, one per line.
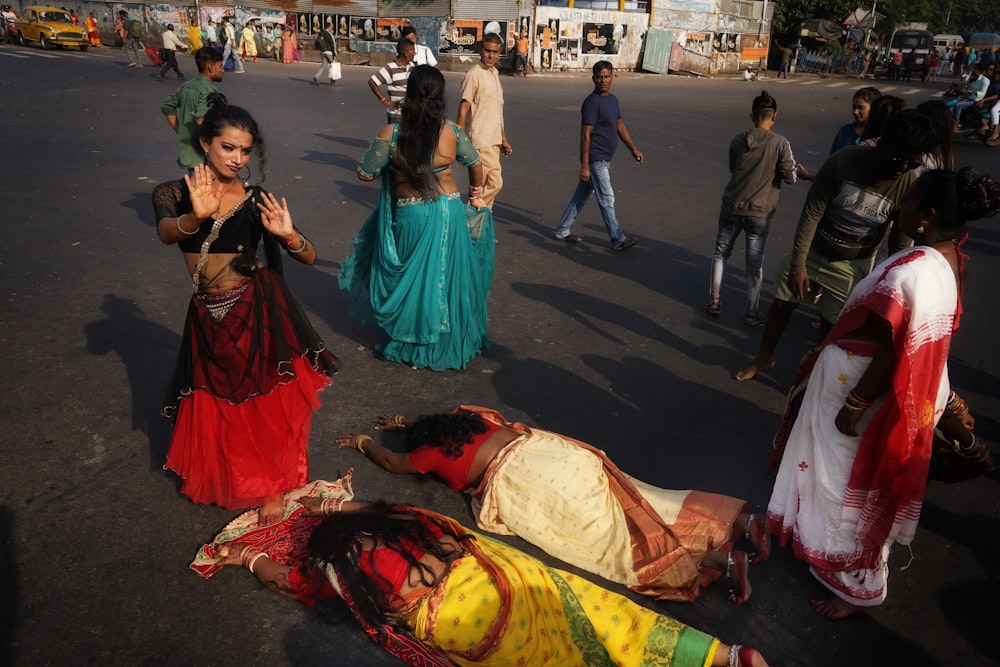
(602, 127)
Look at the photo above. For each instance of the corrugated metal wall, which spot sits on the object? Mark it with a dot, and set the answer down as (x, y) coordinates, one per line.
(498, 10)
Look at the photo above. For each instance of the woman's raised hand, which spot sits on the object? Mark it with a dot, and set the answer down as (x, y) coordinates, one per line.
(206, 192)
(275, 217)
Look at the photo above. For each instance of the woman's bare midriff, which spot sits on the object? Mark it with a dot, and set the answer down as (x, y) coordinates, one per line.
(217, 276)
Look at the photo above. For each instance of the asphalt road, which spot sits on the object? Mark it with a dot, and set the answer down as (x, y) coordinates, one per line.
(612, 348)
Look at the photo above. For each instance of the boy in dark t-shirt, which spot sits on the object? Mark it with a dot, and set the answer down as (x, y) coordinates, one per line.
(602, 126)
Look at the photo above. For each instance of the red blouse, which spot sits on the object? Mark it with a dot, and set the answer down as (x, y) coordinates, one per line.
(454, 471)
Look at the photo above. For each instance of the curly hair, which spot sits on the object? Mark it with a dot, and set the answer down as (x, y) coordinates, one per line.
(451, 432)
(221, 114)
(420, 127)
(340, 539)
(958, 197)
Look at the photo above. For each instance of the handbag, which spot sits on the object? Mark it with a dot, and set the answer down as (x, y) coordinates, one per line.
(335, 73)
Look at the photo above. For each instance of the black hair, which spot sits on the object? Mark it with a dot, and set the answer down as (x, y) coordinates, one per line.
(958, 197)
(451, 432)
(420, 126)
(205, 56)
(341, 538)
(220, 114)
(407, 30)
(401, 46)
(940, 115)
(601, 65)
(868, 94)
(882, 109)
(763, 106)
(909, 133)
(492, 37)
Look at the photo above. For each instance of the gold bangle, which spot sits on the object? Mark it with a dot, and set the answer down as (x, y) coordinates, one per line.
(358, 443)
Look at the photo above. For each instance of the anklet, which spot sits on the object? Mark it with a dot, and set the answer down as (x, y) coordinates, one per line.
(750, 525)
(734, 655)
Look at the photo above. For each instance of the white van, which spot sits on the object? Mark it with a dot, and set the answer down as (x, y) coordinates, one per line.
(949, 42)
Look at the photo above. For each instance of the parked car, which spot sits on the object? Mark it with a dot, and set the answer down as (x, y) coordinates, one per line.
(49, 26)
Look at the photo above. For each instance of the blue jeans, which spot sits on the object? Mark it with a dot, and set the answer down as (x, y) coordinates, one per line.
(599, 185)
(756, 229)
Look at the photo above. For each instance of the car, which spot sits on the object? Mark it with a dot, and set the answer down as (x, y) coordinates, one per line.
(49, 26)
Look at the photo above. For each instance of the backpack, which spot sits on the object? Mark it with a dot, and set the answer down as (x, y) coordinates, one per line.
(135, 29)
(223, 35)
(319, 42)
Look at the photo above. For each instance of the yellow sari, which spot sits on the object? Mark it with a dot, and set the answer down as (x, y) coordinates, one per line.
(535, 615)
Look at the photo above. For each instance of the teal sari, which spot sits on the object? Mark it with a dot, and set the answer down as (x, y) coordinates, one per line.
(421, 270)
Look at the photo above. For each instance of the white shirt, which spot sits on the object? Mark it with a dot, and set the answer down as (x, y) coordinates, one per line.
(171, 41)
(424, 56)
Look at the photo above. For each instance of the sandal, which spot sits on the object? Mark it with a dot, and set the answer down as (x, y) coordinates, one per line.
(714, 306)
(626, 244)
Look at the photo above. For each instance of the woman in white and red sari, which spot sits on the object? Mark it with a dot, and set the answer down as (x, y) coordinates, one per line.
(855, 445)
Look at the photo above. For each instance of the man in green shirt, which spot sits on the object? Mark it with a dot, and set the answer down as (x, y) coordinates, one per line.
(186, 106)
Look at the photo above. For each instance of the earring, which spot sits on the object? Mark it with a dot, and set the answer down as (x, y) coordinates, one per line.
(247, 179)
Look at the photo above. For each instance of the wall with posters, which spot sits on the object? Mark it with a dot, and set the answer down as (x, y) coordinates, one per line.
(731, 33)
(566, 38)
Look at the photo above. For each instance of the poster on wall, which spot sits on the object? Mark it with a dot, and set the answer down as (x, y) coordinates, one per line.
(363, 28)
(546, 38)
(343, 26)
(725, 42)
(603, 38)
(463, 37)
(388, 30)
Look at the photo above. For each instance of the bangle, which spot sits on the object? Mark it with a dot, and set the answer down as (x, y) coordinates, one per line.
(331, 506)
(399, 423)
(305, 242)
(358, 443)
(248, 555)
(855, 403)
(734, 655)
(254, 560)
(184, 231)
(475, 192)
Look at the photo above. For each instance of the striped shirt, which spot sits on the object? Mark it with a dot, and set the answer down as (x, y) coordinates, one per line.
(394, 76)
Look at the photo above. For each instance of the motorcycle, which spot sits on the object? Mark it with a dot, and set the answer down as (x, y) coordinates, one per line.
(970, 120)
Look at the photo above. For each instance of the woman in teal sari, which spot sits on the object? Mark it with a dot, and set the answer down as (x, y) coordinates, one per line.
(423, 261)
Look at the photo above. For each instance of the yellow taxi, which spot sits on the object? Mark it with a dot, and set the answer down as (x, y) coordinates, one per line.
(49, 26)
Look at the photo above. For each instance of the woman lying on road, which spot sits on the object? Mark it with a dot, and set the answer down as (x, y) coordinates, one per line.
(433, 593)
(567, 498)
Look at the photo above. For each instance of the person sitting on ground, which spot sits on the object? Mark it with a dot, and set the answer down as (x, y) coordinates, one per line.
(407, 576)
(666, 544)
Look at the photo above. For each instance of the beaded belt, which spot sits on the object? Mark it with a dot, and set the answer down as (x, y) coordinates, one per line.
(410, 201)
(219, 305)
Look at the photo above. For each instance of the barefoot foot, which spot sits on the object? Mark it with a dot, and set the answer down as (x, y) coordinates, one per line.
(760, 538)
(834, 608)
(738, 573)
(750, 371)
(271, 511)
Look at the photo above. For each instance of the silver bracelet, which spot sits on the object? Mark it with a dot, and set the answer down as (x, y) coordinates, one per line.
(254, 560)
(734, 655)
(184, 231)
(305, 242)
